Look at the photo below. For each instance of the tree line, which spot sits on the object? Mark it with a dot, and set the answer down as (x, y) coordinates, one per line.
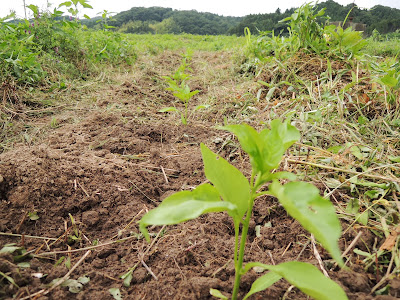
(160, 20)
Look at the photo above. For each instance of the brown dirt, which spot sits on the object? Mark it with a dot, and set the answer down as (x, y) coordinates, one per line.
(107, 170)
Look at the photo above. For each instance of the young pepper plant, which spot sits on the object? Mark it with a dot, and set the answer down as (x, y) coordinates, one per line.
(181, 90)
(232, 192)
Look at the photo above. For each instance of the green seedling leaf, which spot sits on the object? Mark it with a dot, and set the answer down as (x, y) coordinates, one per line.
(127, 277)
(307, 278)
(283, 175)
(287, 132)
(167, 109)
(251, 143)
(116, 293)
(10, 248)
(229, 181)
(73, 285)
(263, 283)
(84, 279)
(218, 294)
(183, 206)
(315, 213)
(267, 147)
(33, 216)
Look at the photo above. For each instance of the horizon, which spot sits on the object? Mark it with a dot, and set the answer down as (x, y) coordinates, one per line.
(218, 8)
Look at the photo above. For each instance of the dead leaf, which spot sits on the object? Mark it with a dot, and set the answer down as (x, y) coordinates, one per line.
(390, 241)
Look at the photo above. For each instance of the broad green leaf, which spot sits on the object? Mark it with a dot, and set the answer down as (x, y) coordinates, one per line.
(33, 8)
(229, 181)
(251, 143)
(277, 175)
(389, 81)
(267, 147)
(315, 213)
(288, 133)
(167, 109)
(272, 149)
(218, 294)
(66, 4)
(307, 278)
(263, 283)
(183, 206)
(85, 4)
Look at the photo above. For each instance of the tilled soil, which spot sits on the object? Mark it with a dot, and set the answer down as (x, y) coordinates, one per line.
(90, 182)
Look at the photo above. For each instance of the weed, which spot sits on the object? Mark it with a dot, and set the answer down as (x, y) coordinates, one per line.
(76, 235)
(301, 200)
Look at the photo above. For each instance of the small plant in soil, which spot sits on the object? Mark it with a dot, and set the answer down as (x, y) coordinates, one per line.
(232, 192)
(180, 89)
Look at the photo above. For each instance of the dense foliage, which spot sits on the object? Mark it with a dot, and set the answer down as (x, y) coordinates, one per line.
(381, 18)
(166, 20)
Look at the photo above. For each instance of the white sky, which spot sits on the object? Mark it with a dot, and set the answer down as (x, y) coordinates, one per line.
(222, 7)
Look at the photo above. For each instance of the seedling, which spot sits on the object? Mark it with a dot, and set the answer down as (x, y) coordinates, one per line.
(33, 216)
(74, 286)
(180, 89)
(301, 200)
(76, 236)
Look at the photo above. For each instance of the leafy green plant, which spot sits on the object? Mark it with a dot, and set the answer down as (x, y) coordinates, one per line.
(301, 200)
(387, 75)
(180, 89)
(304, 23)
(18, 53)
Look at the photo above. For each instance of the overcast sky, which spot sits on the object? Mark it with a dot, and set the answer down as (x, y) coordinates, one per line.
(221, 7)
